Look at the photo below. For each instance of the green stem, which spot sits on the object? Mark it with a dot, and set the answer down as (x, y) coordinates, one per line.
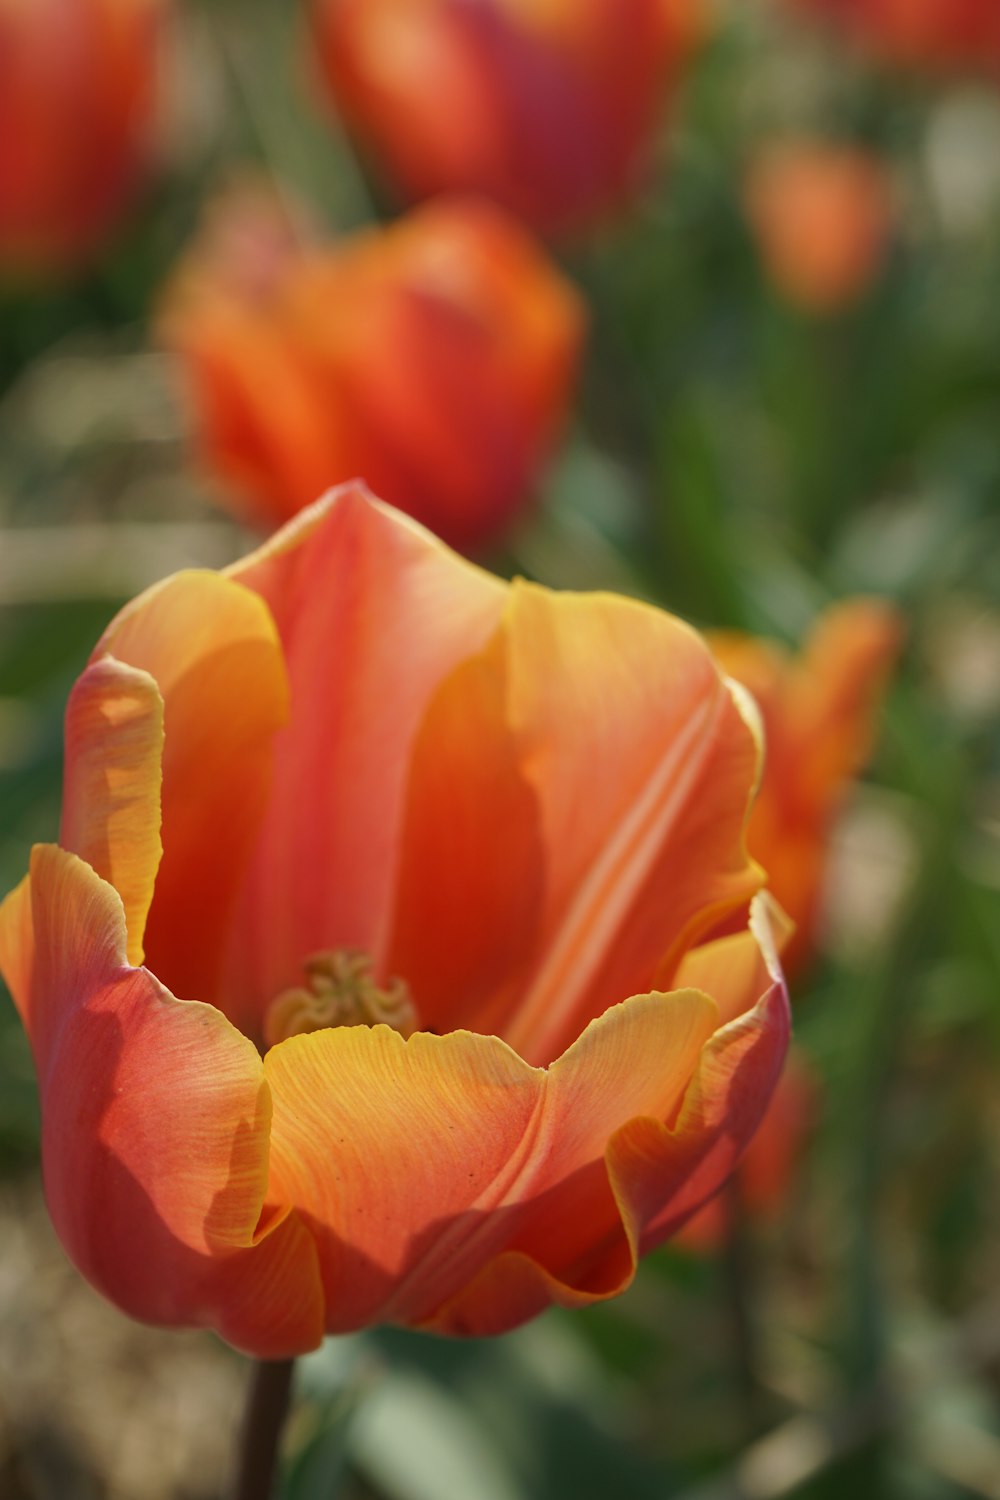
(263, 1420)
(739, 1282)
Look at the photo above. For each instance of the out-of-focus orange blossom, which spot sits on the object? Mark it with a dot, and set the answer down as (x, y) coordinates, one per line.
(928, 34)
(819, 709)
(78, 92)
(550, 107)
(822, 217)
(435, 359)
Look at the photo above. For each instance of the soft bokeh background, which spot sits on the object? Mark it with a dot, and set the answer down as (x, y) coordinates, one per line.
(744, 461)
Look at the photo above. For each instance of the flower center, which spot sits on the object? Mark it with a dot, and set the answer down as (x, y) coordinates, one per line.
(339, 991)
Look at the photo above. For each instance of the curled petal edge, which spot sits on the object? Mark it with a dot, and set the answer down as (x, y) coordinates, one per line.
(659, 1174)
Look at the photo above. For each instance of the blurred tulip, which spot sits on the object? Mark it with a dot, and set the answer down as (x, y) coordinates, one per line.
(77, 95)
(548, 106)
(948, 34)
(822, 217)
(818, 711)
(406, 840)
(434, 359)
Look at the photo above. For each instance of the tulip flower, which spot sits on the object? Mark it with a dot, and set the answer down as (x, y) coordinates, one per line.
(434, 359)
(77, 94)
(373, 979)
(932, 34)
(821, 216)
(818, 710)
(548, 106)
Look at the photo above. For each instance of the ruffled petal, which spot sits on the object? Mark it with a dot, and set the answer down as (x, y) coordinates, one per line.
(394, 1154)
(155, 1117)
(660, 1148)
(213, 651)
(373, 613)
(111, 784)
(767, 1170)
(734, 969)
(661, 1177)
(432, 1171)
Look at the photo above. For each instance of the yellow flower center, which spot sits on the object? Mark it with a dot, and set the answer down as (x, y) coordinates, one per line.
(339, 991)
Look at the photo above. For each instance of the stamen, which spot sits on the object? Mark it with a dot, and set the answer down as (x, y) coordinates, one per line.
(339, 991)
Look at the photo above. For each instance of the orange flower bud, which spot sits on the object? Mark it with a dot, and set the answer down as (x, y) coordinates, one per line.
(948, 34)
(77, 92)
(821, 216)
(433, 359)
(372, 978)
(548, 106)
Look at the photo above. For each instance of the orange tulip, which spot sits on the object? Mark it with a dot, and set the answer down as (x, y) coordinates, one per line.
(430, 862)
(548, 106)
(948, 34)
(434, 359)
(818, 711)
(77, 92)
(822, 217)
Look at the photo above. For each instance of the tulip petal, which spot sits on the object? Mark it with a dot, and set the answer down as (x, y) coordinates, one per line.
(155, 1118)
(662, 1177)
(649, 853)
(373, 613)
(768, 1168)
(470, 888)
(659, 1163)
(383, 1146)
(734, 969)
(599, 881)
(687, 1166)
(417, 1164)
(268, 1300)
(111, 785)
(170, 1091)
(212, 648)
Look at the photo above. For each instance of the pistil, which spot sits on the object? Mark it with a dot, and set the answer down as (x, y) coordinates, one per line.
(340, 990)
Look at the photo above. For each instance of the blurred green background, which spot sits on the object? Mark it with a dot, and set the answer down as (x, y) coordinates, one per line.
(742, 463)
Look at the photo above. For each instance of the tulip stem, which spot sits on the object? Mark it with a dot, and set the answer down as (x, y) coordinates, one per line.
(263, 1420)
(738, 1273)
